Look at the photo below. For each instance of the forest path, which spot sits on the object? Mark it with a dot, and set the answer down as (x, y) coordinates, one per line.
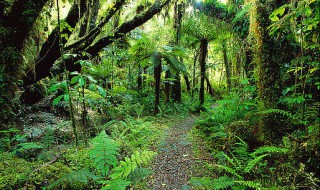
(173, 165)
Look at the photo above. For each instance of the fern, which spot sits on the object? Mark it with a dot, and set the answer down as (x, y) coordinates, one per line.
(242, 13)
(104, 153)
(74, 179)
(276, 111)
(270, 149)
(117, 184)
(48, 139)
(254, 162)
(130, 164)
(223, 182)
(251, 184)
(230, 170)
(139, 174)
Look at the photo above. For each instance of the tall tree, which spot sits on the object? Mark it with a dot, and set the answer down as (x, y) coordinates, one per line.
(202, 28)
(264, 54)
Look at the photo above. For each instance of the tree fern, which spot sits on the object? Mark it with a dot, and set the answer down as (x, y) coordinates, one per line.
(130, 164)
(104, 153)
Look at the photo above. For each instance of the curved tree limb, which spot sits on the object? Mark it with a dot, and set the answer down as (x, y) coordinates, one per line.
(88, 38)
(127, 27)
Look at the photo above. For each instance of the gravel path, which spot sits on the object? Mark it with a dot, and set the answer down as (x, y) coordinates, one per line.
(172, 166)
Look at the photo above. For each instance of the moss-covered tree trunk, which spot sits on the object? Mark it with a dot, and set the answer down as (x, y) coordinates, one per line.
(15, 28)
(227, 65)
(265, 59)
(203, 56)
(50, 50)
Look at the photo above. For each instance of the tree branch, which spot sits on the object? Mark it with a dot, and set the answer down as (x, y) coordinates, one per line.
(88, 38)
(127, 27)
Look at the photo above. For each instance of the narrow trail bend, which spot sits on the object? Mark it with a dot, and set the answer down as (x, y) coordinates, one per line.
(173, 165)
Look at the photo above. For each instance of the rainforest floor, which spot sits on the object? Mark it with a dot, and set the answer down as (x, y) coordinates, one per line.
(177, 160)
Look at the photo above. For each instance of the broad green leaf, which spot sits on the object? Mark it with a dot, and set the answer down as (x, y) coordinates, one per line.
(57, 100)
(66, 97)
(74, 79)
(102, 92)
(81, 62)
(91, 79)
(54, 87)
(64, 86)
(74, 73)
(274, 18)
(81, 81)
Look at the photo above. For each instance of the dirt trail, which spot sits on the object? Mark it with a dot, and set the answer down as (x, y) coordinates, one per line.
(172, 166)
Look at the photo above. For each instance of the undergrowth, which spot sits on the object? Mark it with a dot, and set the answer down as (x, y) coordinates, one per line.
(247, 156)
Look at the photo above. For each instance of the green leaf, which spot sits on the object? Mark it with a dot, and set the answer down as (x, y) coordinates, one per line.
(66, 97)
(74, 79)
(57, 100)
(74, 73)
(274, 18)
(64, 86)
(54, 87)
(91, 79)
(81, 81)
(101, 91)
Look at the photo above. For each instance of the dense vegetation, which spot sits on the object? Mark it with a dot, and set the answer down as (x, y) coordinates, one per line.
(88, 87)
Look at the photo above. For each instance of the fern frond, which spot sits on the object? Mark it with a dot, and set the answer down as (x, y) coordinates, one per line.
(270, 149)
(251, 184)
(230, 170)
(130, 164)
(139, 174)
(230, 160)
(104, 153)
(277, 111)
(222, 182)
(254, 162)
(74, 179)
(242, 13)
(117, 184)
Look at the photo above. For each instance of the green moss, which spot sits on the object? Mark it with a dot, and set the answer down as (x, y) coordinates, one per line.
(49, 174)
(13, 171)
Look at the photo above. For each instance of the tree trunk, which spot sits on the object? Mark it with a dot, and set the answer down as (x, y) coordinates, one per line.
(186, 78)
(157, 77)
(167, 86)
(209, 86)
(176, 88)
(203, 56)
(90, 17)
(227, 65)
(194, 74)
(15, 29)
(50, 50)
(268, 69)
(86, 42)
(140, 78)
